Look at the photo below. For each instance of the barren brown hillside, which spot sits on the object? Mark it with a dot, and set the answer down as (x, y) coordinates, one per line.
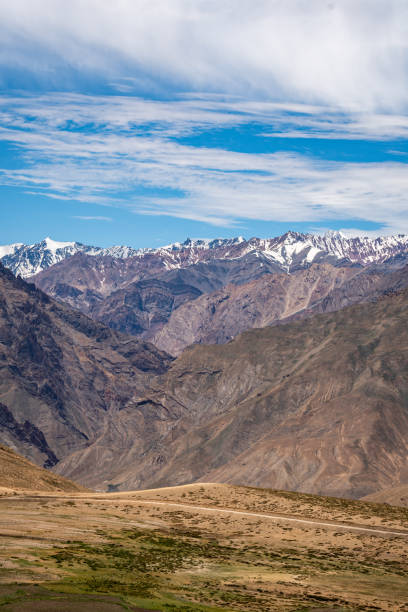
(396, 496)
(319, 406)
(16, 472)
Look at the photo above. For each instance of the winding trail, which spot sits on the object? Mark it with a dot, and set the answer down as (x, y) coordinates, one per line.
(280, 517)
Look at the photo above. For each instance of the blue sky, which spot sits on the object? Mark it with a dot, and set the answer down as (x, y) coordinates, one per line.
(144, 122)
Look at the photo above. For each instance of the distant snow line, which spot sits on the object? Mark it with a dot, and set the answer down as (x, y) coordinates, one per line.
(277, 517)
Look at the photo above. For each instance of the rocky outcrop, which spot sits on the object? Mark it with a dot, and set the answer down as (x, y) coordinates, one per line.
(22, 434)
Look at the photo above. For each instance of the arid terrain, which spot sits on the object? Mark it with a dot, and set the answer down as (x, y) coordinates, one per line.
(204, 306)
(317, 405)
(201, 547)
(17, 473)
(397, 496)
(210, 300)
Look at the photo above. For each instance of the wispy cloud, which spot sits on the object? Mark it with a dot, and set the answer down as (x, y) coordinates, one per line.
(188, 114)
(347, 53)
(123, 152)
(92, 218)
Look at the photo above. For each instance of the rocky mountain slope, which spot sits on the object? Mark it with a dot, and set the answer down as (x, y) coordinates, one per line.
(218, 317)
(211, 302)
(16, 472)
(154, 293)
(63, 377)
(319, 406)
(138, 295)
(143, 307)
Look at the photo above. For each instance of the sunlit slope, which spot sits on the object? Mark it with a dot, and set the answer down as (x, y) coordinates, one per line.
(17, 473)
(396, 496)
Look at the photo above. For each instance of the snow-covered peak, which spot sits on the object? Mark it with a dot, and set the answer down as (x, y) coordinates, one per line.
(53, 245)
(27, 260)
(363, 250)
(288, 252)
(334, 235)
(117, 251)
(197, 243)
(9, 249)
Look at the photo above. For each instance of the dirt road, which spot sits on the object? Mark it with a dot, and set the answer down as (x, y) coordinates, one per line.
(280, 517)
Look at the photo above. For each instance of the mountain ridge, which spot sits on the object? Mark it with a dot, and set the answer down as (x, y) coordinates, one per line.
(288, 250)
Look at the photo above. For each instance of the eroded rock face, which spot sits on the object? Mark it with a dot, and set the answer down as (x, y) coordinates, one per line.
(62, 374)
(218, 317)
(317, 406)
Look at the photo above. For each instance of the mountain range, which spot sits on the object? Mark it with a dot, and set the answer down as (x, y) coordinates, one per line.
(210, 291)
(287, 252)
(316, 405)
(25, 260)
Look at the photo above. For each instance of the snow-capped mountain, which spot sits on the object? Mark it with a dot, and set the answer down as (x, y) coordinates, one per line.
(27, 260)
(294, 249)
(9, 249)
(288, 252)
(361, 249)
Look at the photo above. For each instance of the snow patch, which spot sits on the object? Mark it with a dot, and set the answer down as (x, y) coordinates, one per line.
(53, 245)
(9, 249)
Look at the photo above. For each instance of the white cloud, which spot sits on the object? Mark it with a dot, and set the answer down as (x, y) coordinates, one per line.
(92, 218)
(345, 53)
(190, 113)
(117, 162)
